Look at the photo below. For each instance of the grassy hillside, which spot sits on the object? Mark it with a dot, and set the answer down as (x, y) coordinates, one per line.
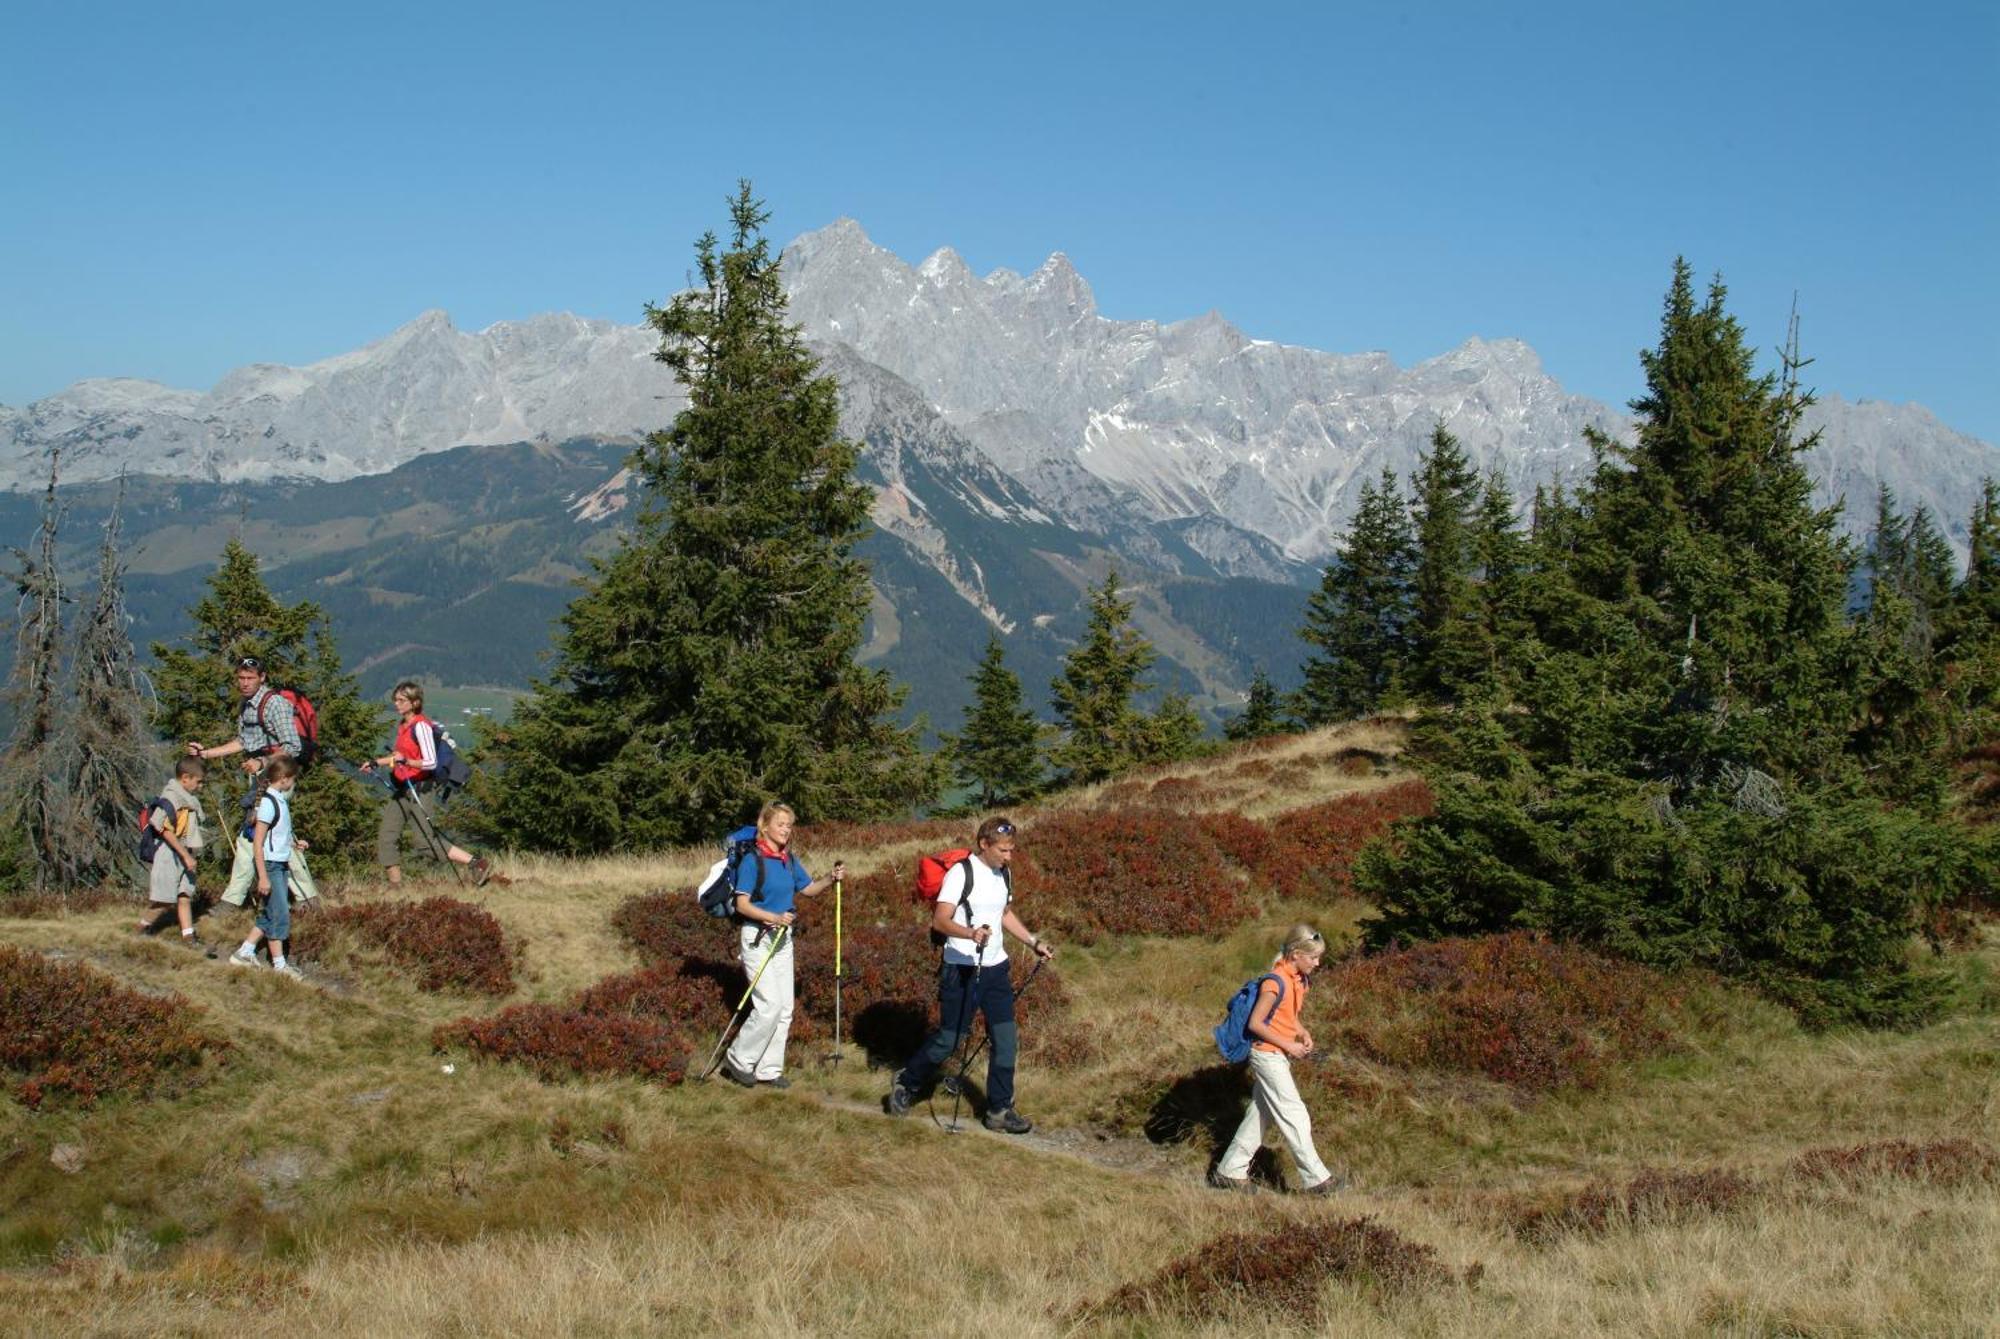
(1542, 1142)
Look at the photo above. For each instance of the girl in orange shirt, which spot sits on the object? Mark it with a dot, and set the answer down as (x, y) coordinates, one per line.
(1274, 1099)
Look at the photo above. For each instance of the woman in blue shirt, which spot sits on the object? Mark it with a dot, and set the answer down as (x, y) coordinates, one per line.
(769, 881)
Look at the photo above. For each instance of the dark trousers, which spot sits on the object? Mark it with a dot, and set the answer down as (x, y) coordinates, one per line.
(958, 994)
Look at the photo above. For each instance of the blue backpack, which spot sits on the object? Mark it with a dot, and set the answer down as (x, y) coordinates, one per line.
(717, 893)
(451, 771)
(1232, 1034)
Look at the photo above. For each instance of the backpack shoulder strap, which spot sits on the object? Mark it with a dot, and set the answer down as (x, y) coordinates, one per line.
(964, 898)
(1272, 976)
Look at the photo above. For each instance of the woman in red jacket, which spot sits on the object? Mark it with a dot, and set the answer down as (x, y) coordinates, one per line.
(412, 762)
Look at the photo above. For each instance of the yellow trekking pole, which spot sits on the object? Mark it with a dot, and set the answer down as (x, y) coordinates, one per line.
(838, 976)
(715, 1057)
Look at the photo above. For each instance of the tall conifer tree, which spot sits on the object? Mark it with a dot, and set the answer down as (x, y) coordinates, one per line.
(710, 664)
(1445, 653)
(1673, 780)
(1102, 731)
(1358, 620)
(998, 753)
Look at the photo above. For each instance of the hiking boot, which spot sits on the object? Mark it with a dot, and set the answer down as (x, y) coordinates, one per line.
(780, 1082)
(1333, 1185)
(1007, 1121)
(1239, 1184)
(481, 869)
(287, 970)
(899, 1100)
(737, 1076)
(194, 943)
(241, 959)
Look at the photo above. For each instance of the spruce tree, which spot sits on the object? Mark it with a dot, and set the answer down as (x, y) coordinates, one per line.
(1262, 714)
(1174, 730)
(1101, 732)
(1674, 779)
(1501, 559)
(998, 753)
(1359, 617)
(1445, 642)
(196, 699)
(709, 665)
(119, 762)
(1899, 737)
(39, 761)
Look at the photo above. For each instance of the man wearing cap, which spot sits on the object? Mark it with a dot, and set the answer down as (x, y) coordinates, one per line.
(265, 727)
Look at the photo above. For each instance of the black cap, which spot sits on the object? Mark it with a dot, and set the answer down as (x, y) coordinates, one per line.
(250, 662)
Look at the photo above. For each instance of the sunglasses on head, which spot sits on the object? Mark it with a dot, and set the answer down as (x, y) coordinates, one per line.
(250, 663)
(1003, 829)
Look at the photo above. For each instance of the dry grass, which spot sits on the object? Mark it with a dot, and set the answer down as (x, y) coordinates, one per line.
(331, 1178)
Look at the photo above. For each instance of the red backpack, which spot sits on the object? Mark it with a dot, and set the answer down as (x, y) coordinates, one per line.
(931, 870)
(304, 714)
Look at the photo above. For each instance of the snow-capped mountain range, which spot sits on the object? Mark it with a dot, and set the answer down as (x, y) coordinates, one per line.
(1250, 453)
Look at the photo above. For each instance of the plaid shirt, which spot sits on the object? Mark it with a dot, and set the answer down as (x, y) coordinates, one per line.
(282, 734)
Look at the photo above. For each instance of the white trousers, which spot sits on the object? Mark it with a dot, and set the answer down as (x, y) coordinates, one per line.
(759, 1048)
(1274, 1100)
(243, 874)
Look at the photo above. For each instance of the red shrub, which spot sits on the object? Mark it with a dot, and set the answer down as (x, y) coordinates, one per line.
(1312, 850)
(1650, 1197)
(449, 944)
(1112, 872)
(556, 1042)
(1515, 1007)
(1947, 1162)
(668, 926)
(1282, 1270)
(72, 1030)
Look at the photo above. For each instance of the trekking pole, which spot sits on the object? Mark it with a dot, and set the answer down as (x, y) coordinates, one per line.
(838, 977)
(431, 834)
(715, 1056)
(957, 1081)
(964, 1031)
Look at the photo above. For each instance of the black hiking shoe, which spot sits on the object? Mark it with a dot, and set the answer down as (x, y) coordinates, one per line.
(898, 1101)
(780, 1082)
(1007, 1121)
(737, 1076)
(482, 870)
(195, 944)
(1333, 1185)
(1239, 1184)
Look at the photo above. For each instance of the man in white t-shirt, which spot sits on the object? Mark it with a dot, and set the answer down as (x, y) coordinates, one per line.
(974, 915)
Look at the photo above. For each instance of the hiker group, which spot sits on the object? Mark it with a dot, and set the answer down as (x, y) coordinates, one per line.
(277, 737)
(757, 886)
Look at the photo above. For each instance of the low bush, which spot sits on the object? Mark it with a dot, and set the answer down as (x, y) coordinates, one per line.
(71, 1031)
(1653, 1196)
(447, 943)
(1086, 875)
(557, 1042)
(1282, 1271)
(1517, 1008)
(1311, 851)
(1948, 1162)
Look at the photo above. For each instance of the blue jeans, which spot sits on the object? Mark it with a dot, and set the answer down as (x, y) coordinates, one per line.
(993, 993)
(275, 920)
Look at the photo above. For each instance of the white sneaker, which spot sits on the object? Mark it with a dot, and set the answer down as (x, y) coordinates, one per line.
(242, 959)
(287, 969)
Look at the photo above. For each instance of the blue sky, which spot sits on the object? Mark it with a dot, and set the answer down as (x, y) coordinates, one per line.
(189, 188)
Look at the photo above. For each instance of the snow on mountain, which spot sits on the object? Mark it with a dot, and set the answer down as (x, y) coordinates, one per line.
(1247, 451)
